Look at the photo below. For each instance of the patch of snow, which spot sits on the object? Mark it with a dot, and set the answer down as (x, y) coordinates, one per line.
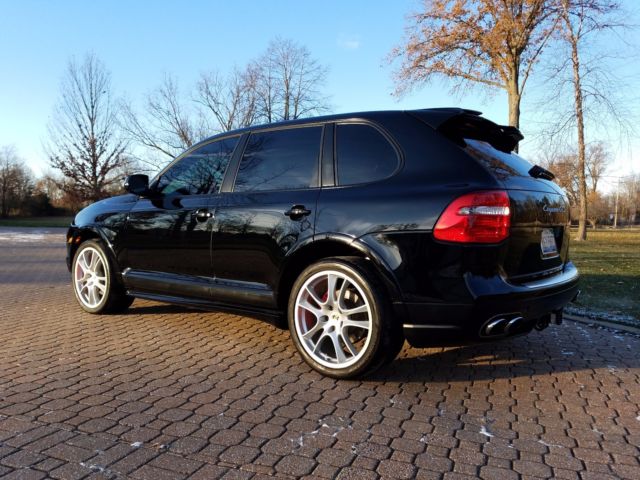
(549, 444)
(25, 237)
(485, 432)
(593, 314)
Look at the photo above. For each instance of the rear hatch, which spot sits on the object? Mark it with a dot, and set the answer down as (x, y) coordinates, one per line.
(538, 242)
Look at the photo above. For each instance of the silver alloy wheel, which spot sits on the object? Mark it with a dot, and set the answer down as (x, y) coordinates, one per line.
(90, 277)
(333, 319)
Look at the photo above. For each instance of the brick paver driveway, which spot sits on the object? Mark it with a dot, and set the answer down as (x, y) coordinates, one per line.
(165, 392)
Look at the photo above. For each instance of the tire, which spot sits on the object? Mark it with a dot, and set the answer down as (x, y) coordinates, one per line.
(94, 285)
(347, 334)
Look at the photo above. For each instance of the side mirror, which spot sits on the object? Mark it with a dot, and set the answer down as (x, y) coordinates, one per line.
(137, 184)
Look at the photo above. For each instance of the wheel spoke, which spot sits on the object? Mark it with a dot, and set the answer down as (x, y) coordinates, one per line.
(314, 295)
(95, 258)
(340, 296)
(307, 306)
(316, 347)
(347, 342)
(315, 329)
(340, 356)
(82, 261)
(92, 295)
(352, 311)
(363, 324)
(331, 288)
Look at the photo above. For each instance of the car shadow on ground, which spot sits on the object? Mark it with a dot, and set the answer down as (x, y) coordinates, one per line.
(570, 347)
(531, 355)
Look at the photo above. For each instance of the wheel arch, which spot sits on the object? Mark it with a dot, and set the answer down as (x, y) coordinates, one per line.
(76, 236)
(326, 246)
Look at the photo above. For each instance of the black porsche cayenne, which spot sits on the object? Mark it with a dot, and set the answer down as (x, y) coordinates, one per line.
(361, 230)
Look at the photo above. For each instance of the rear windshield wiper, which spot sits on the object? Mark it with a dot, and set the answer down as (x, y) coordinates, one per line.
(538, 172)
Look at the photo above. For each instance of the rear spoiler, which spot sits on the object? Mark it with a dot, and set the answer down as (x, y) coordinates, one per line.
(457, 124)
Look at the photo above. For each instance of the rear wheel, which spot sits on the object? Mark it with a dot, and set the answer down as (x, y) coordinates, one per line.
(93, 283)
(339, 318)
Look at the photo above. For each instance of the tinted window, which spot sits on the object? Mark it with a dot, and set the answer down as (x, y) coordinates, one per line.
(502, 164)
(199, 172)
(280, 160)
(363, 154)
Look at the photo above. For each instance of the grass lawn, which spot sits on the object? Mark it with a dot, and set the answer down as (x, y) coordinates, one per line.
(609, 264)
(36, 222)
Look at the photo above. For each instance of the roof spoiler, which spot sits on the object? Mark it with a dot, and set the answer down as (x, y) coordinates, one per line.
(458, 124)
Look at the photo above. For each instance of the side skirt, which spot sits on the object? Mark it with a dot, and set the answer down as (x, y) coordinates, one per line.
(274, 317)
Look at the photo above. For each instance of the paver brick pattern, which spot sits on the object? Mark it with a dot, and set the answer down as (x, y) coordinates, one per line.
(166, 392)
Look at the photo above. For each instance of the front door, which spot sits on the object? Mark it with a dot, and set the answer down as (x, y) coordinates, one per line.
(168, 234)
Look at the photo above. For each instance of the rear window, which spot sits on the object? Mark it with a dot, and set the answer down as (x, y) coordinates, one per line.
(502, 165)
(363, 154)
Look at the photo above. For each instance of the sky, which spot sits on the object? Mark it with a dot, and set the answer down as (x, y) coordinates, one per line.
(141, 41)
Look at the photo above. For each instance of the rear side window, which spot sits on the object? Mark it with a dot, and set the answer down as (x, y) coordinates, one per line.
(199, 172)
(503, 165)
(280, 160)
(363, 154)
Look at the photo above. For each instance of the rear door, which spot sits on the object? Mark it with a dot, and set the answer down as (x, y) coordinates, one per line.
(269, 212)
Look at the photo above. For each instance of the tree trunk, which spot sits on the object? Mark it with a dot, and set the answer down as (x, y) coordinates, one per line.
(582, 180)
(514, 96)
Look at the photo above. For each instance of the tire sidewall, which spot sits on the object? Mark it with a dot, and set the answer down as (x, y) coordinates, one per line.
(364, 281)
(107, 266)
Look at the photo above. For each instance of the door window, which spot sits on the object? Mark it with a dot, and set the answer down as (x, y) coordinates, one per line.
(200, 172)
(280, 160)
(363, 154)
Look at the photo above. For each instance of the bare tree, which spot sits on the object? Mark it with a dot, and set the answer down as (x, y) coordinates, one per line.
(16, 181)
(282, 84)
(579, 68)
(565, 165)
(597, 160)
(229, 99)
(167, 124)
(85, 144)
(286, 82)
(493, 43)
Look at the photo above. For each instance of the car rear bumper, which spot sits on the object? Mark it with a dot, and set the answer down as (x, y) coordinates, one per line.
(493, 299)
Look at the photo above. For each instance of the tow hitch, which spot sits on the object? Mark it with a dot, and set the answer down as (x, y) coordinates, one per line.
(557, 316)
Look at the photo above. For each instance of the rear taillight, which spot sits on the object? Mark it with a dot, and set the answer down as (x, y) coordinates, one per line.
(480, 217)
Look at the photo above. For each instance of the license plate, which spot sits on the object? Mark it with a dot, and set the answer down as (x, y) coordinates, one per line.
(548, 244)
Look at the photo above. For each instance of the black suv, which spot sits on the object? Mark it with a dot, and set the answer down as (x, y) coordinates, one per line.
(360, 229)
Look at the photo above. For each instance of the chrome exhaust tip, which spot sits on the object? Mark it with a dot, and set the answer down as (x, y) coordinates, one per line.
(512, 325)
(501, 325)
(493, 326)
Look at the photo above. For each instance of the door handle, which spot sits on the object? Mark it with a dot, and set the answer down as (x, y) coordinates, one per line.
(297, 211)
(202, 215)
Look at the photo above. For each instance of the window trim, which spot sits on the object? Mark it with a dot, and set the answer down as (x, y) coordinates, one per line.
(193, 148)
(387, 136)
(268, 129)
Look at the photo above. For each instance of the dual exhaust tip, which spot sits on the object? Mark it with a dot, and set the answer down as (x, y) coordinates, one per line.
(502, 325)
(513, 323)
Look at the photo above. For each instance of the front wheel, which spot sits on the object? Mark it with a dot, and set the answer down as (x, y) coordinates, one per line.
(339, 318)
(93, 283)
